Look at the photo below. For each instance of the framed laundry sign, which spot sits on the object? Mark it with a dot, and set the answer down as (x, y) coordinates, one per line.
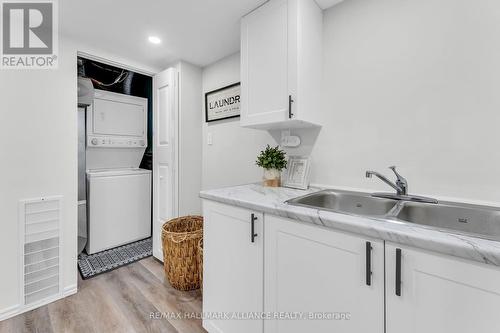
(222, 103)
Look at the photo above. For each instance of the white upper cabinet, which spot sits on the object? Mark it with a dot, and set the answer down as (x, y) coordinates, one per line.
(281, 64)
(433, 293)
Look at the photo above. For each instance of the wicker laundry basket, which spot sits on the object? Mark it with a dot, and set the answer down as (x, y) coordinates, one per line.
(200, 262)
(180, 237)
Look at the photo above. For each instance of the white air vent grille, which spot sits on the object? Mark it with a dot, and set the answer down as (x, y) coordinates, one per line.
(40, 225)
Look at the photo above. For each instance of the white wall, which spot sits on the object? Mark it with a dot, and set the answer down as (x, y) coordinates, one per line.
(416, 84)
(38, 150)
(230, 160)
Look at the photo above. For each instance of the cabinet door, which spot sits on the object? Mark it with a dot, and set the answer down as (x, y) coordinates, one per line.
(312, 270)
(232, 268)
(264, 64)
(440, 293)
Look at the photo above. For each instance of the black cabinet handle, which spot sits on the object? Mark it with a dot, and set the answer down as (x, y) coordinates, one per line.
(368, 263)
(252, 224)
(290, 101)
(398, 272)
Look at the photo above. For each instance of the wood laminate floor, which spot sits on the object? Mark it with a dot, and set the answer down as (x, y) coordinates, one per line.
(122, 301)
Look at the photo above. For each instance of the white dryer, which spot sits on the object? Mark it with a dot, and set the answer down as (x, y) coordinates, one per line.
(118, 192)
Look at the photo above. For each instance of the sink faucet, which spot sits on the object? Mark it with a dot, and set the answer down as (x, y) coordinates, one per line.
(401, 185)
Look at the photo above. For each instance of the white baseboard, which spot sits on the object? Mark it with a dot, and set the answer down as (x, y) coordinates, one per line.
(70, 290)
(209, 326)
(9, 312)
(19, 309)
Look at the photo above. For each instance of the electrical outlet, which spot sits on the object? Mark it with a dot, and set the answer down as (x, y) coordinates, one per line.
(284, 135)
(288, 140)
(291, 141)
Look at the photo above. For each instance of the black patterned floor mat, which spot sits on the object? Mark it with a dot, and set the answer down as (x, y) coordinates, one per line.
(98, 263)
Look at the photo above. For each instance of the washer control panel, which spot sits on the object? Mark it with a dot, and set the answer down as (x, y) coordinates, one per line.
(114, 142)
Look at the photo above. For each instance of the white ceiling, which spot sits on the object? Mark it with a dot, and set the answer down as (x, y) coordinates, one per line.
(197, 31)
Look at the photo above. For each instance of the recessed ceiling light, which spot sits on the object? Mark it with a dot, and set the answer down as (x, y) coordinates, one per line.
(154, 40)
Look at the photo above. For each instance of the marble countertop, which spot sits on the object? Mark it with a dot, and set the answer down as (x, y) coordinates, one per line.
(272, 201)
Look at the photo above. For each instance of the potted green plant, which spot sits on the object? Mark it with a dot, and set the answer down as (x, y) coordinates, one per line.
(272, 160)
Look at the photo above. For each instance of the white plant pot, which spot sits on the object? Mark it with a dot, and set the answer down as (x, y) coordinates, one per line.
(272, 177)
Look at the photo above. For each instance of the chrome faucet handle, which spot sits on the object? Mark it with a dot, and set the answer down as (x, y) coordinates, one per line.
(401, 181)
(398, 176)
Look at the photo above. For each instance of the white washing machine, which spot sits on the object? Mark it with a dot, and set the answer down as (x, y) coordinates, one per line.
(119, 203)
(118, 192)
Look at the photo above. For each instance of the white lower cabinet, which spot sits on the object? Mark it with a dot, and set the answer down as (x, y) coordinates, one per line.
(438, 294)
(312, 270)
(232, 268)
(313, 279)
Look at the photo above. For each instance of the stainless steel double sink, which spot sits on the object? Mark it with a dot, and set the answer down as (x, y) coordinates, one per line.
(472, 220)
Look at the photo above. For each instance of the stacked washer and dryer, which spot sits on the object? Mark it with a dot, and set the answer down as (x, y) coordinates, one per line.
(118, 192)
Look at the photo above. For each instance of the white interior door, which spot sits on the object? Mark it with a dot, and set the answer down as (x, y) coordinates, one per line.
(165, 143)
